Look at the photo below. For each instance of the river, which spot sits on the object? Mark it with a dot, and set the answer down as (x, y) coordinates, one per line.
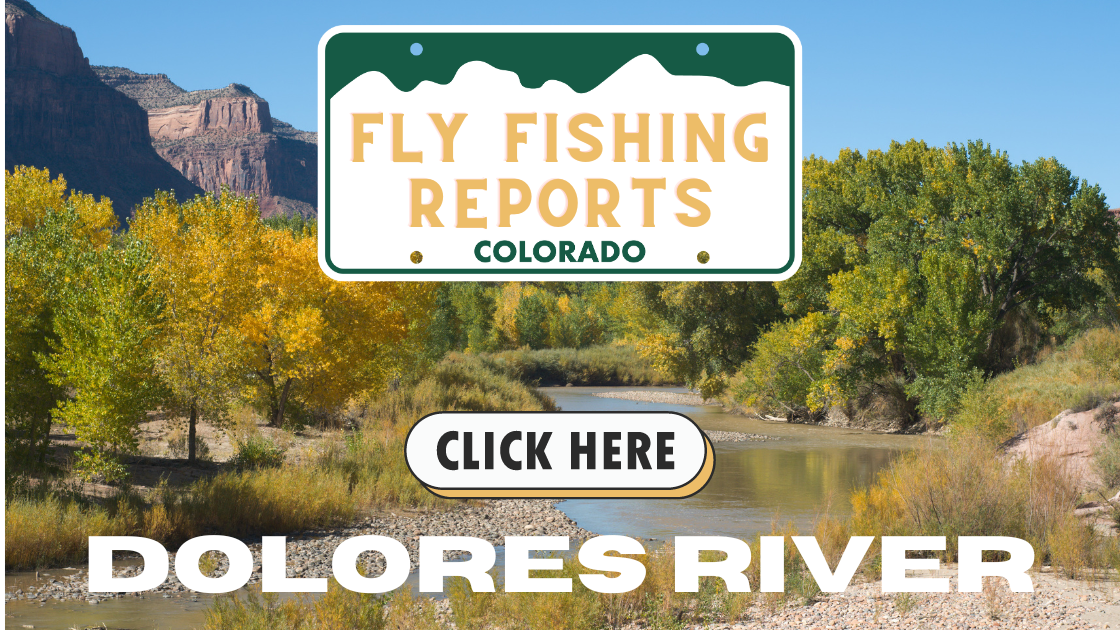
(785, 479)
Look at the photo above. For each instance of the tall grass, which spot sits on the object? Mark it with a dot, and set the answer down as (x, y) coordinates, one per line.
(965, 488)
(1078, 376)
(362, 470)
(339, 609)
(52, 529)
(595, 365)
(653, 604)
(372, 458)
(49, 528)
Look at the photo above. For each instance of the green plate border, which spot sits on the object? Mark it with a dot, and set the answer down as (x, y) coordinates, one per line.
(446, 51)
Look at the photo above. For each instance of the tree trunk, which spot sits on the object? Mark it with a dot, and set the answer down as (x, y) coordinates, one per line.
(40, 441)
(191, 432)
(278, 418)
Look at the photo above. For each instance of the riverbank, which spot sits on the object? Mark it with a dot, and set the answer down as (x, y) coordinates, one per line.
(1056, 603)
(832, 419)
(310, 553)
(685, 399)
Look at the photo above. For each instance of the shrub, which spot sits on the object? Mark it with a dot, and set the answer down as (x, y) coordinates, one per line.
(1107, 460)
(257, 451)
(1079, 375)
(177, 445)
(596, 365)
(787, 367)
(964, 488)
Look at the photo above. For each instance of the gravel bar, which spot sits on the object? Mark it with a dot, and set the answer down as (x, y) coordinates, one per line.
(735, 436)
(691, 400)
(310, 553)
(667, 398)
(1056, 603)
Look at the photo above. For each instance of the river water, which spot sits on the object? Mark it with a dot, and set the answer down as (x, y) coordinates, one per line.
(788, 478)
(754, 484)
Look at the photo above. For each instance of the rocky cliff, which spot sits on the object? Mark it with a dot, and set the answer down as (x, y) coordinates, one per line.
(60, 116)
(226, 137)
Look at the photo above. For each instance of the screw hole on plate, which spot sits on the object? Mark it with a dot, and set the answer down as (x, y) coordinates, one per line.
(416, 258)
(703, 258)
(701, 49)
(416, 49)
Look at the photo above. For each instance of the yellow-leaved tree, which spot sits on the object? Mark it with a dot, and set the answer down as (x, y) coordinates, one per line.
(205, 254)
(44, 229)
(319, 341)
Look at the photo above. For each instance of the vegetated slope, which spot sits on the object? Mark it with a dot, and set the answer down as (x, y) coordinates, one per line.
(226, 136)
(59, 116)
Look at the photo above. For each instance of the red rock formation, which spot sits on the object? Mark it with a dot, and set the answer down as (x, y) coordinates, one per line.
(226, 137)
(61, 117)
(280, 171)
(233, 115)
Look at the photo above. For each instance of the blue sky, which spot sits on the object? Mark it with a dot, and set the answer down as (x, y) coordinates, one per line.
(1031, 78)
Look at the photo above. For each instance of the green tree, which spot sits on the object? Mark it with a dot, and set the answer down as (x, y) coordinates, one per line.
(106, 325)
(531, 318)
(703, 331)
(927, 257)
(43, 226)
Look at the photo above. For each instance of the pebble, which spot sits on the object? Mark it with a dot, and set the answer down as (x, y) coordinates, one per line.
(668, 398)
(690, 400)
(310, 553)
(1056, 603)
(734, 436)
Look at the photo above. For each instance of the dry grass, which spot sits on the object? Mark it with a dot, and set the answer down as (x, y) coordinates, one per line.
(595, 365)
(965, 488)
(1078, 376)
(364, 469)
(48, 528)
(339, 609)
(52, 530)
(655, 603)
(372, 459)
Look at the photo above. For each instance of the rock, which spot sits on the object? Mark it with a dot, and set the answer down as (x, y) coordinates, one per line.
(1071, 438)
(226, 137)
(59, 116)
(232, 115)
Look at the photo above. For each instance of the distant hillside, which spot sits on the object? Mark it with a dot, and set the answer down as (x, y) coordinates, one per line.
(226, 136)
(59, 116)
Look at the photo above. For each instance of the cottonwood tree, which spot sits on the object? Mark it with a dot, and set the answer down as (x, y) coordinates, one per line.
(701, 332)
(106, 325)
(205, 254)
(317, 340)
(43, 226)
(924, 257)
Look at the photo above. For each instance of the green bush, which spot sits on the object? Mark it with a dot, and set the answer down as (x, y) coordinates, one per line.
(1079, 375)
(257, 452)
(787, 366)
(1107, 460)
(596, 365)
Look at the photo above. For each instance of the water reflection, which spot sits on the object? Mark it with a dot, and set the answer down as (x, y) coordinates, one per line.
(792, 478)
